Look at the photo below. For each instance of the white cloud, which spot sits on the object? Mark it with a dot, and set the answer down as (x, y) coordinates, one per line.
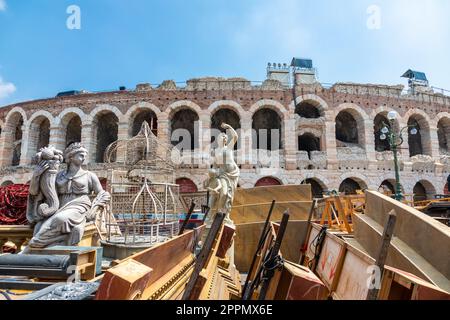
(6, 88)
(2, 5)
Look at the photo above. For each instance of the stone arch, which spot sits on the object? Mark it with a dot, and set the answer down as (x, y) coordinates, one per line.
(443, 126)
(315, 100)
(102, 108)
(423, 190)
(12, 137)
(351, 185)
(419, 143)
(227, 104)
(266, 125)
(268, 181)
(184, 128)
(270, 104)
(70, 128)
(140, 112)
(15, 110)
(38, 134)
(186, 185)
(318, 187)
(70, 111)
(182, 104)
(105, 130)
(309, 109)
(226, 115)
(350, 117)
(41, 113)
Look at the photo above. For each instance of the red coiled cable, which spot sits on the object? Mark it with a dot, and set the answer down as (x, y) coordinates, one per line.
(13, 204)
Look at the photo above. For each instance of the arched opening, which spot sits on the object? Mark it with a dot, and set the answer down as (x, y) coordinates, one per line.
(380, 122)
(140, 117)
(13, 139)
(308, 110)
(71, 129)
(184, 129)
(39, 136)
(308, 142)
(268, 181)
(316, 188)
(444, 135)
(420, 193)
(267, 130)
(350, 186)
(347, 128)
(419, 143)
(387, 188)
(224, 116)
(106, 127)
(7, 183)
(186, 185)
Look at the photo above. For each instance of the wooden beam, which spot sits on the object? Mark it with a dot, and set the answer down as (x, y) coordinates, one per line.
(204, 255)
(383, 252)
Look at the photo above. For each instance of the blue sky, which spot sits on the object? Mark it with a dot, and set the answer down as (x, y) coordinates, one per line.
(135, 41)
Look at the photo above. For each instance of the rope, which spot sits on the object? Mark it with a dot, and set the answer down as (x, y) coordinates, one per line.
(13, 204)
(317, 243)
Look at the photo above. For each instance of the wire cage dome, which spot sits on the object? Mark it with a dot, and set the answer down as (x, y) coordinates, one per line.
(144, 150)
(145, 203)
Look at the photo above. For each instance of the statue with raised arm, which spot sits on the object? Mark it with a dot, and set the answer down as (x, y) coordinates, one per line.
(223, 177)
(59, 203)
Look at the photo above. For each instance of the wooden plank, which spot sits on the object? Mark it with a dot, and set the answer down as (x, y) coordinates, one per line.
(383, 252)
(352, 284)
(259, 195)
(331, 260)
(126, 281)
(417, 230)
(226, 240)
(204, 255)
(299, 283)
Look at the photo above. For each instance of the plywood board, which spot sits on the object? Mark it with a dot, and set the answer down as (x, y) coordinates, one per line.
(267, 194)
(298, 210)
(331, 260)
(427, 237)
(353, 281)
(247, 237)
(300, 283)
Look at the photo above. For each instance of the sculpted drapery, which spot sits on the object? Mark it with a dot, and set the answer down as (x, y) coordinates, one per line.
(59, 204)
(223, 177)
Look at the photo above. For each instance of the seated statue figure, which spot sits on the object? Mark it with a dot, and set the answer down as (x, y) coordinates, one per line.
(59, 203)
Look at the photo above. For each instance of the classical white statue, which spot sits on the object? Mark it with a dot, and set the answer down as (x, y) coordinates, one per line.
(59, 203)
(223, 177)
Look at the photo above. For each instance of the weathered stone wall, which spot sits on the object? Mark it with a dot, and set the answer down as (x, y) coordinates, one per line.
(332, 165)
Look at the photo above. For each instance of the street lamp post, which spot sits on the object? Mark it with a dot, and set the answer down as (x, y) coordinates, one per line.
(395, 141)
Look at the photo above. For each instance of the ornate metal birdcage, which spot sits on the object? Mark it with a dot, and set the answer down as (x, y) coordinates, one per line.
(145, 203)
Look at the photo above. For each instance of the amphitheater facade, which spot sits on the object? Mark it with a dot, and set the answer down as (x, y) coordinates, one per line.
(328, 136)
